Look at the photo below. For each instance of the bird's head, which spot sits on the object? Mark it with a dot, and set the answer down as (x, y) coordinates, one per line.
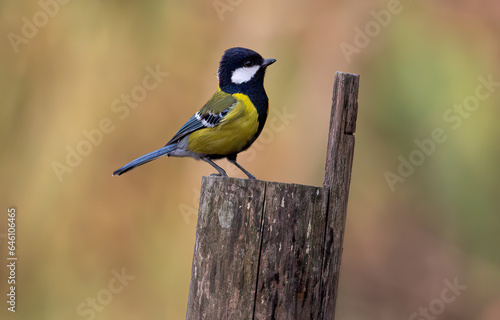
(242, 67)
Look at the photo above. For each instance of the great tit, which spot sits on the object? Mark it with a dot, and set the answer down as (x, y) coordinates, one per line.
(229, 122)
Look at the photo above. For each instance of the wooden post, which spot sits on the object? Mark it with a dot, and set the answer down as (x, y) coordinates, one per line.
(338, 169)
(269, 250)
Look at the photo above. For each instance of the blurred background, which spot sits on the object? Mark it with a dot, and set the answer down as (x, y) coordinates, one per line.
(87, 86)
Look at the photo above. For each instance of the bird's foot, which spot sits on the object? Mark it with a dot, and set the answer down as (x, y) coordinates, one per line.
(218, 175)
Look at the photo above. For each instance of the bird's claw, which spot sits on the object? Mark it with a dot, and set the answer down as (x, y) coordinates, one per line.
(218, 175)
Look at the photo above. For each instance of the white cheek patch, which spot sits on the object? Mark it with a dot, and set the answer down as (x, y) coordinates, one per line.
(243, 74)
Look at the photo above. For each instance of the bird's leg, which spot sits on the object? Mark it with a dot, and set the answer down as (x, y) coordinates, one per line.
(232, 159)
(221, 171)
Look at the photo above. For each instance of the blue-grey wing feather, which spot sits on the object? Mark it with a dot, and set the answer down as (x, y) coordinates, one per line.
(209, 116)
(190, 126)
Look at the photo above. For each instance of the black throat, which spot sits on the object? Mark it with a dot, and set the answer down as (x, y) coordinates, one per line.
(254, 89)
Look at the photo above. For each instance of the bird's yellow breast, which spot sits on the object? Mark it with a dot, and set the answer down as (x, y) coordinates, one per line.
(232, 134)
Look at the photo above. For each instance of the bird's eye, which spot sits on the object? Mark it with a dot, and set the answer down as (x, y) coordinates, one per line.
(248, 63)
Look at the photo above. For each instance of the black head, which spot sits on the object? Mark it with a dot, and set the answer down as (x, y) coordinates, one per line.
(240, 68)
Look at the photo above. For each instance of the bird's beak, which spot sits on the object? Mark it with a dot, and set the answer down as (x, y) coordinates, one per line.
(268, 62)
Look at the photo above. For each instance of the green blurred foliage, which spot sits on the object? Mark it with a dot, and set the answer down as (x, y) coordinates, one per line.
(442, 222)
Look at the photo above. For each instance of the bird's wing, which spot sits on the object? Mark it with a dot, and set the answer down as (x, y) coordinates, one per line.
(209, 116)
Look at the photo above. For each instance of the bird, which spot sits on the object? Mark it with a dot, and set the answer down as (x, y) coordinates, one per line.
(229, 122)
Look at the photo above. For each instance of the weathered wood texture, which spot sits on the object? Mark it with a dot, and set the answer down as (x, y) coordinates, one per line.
(226, 252)
(257, 235)
(290, 264)
(338, 168)
(269, 250)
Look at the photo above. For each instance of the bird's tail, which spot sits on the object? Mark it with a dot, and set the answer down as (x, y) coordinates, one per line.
(146, 158)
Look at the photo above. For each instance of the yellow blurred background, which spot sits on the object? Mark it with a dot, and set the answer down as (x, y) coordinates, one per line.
(68, 68)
